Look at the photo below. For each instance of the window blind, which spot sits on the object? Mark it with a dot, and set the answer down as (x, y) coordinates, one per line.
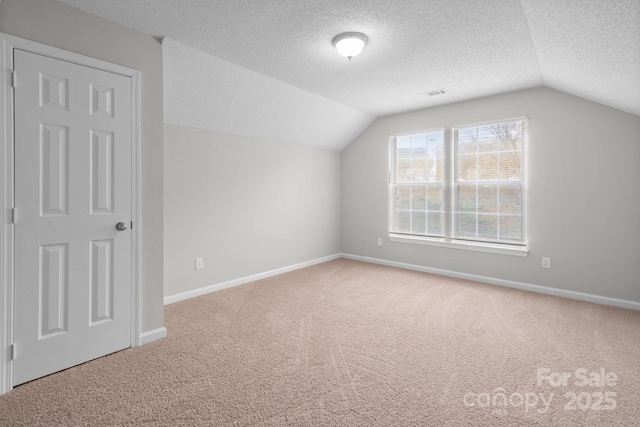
(489, 183)
(418, 184)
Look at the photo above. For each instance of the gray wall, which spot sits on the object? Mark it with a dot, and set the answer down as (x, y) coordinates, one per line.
(245, 205)
(64, 27)
(583, 193)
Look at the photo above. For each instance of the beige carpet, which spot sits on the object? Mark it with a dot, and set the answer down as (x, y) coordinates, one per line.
(353, 344)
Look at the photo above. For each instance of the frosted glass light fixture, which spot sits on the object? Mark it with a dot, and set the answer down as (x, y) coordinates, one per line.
(350, 44)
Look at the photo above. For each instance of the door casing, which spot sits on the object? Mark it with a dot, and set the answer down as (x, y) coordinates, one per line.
(7, 185)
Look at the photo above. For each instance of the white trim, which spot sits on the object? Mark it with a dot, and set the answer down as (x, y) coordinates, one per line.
(136, 208)
(7, 44)
(6, 223)
(490, 122)
(241, 281)
(495, 248)
(580, 296)
(151, 336)
(75, 58)
(417, 132)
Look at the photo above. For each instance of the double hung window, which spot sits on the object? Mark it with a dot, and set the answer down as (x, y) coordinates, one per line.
(460, 186)
(418, 185)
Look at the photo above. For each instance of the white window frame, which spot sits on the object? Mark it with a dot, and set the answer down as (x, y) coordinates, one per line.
(392, 171)
(448, 203)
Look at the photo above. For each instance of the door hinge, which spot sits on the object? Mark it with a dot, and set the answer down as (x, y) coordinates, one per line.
(12, 352)
(14, 79)
(14, 216)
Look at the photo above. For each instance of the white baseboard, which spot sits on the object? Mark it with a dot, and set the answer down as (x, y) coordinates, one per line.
(597, 299)
(151, 336)
(241, 281)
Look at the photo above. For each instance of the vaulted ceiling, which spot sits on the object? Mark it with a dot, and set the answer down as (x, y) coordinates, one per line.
(268, 69)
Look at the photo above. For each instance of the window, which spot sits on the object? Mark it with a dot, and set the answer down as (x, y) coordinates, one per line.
(463, 186)
(419, 184)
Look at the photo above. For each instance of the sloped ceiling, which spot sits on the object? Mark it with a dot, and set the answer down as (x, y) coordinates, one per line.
(268, 69)
(205, 92)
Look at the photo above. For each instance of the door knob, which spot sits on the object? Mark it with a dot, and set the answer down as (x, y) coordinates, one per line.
(121, 226)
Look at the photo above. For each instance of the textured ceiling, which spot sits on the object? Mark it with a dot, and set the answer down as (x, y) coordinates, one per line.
(590, 48)
(205, 92)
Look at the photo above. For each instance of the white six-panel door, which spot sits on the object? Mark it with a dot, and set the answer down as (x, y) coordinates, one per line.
(73, 177)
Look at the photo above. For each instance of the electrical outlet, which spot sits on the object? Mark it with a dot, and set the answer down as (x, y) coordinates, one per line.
(363, 240)
(379, 241)
(199, 263)
(546, 262)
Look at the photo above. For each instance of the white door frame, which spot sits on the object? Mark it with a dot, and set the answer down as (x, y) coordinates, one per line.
(7, 185)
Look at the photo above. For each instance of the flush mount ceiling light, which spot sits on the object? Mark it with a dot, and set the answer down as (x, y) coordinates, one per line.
(350, 44)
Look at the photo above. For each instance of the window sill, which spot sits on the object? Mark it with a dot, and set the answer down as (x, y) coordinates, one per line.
(458, 244)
